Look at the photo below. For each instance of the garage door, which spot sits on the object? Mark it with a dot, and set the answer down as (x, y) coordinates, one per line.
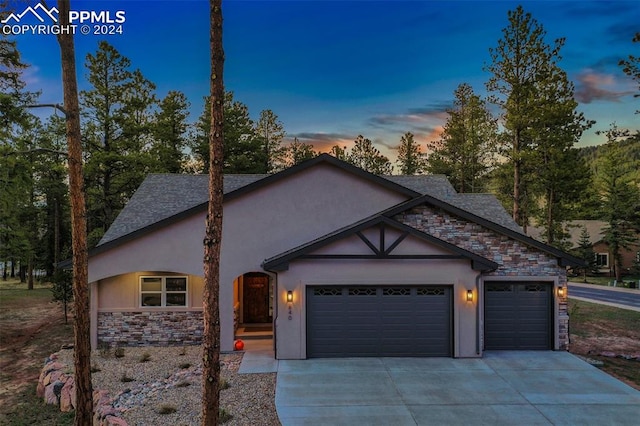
(345, 321)
(517, 316)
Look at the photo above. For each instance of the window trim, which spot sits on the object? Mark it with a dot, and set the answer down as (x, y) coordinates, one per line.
(163, 291)
(606, 256)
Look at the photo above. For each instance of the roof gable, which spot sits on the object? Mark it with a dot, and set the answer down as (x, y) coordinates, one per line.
(379, 249)
(564, 259)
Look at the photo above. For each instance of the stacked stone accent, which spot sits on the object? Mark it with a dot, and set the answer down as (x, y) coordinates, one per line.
(514, 257)
(150, 328)
(56, 385)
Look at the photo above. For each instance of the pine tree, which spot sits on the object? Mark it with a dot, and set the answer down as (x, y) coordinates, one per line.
(243, 149)
(365, 156)
(585, 252)
(520, 64)
(80, 259)
(117, 118)
(213, 227)
(631, 67)
(297, 152)
(620, 194)
(410, 158)
(271, 132)
(468, 140)
(169, 132)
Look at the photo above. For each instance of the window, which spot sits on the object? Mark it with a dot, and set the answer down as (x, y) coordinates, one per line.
(163, 291)
(602, 260)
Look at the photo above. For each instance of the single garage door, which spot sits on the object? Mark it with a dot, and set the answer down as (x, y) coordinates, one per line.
(354, 321)
(517, 316)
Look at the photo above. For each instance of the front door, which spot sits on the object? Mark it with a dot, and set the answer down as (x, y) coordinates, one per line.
(255, 295)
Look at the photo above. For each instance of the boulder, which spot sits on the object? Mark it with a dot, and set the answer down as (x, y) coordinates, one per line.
(66, 403)
(50, 396)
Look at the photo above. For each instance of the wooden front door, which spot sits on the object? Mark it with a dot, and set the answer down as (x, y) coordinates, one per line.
(255, 296)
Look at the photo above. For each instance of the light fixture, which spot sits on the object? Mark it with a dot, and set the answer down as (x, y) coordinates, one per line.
(560, 292)
(289, 296)
(469, 295)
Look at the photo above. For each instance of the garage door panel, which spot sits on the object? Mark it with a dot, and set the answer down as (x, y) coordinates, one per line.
(518, 315)
(379, 321)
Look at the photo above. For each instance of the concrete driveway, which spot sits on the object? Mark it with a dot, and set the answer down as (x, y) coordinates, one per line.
(503, 388)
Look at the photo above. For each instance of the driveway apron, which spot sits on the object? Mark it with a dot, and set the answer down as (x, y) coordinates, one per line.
(503, 388)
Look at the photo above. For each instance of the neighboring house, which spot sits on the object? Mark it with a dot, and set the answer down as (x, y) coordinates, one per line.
(603, 256)
(339, 261)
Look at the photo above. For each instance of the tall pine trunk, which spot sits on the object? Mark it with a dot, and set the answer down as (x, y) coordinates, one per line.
(82, 347)
(212, 240)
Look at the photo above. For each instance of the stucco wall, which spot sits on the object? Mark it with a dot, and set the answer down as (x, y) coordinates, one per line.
(256, 226)
(302, 273)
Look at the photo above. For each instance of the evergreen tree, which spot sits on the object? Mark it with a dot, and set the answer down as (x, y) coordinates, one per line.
(170, 128)
(561, 176)
(585, 252)
(620, 194)
(410, 158)
(270, 130)
(18, 226)
(340, 153)
(631, 67)
(297, 152)
(365, 156)
(521, 63)
(243, 149)
(469, 138)
(117, 113)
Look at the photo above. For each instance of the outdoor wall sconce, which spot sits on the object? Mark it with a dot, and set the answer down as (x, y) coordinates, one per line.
(469, 295)
(289, 296)
(560, 292)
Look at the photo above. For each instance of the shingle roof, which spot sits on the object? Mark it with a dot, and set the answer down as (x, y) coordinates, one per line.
(161, 196)
(486, 206)
(436, 185)
(164, 196)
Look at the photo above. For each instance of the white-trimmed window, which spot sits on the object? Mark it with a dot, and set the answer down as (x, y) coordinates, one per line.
(602, 260)
(163, 291)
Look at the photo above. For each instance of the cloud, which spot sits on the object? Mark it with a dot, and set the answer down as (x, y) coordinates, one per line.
(323, 142)
(424, 122)
(594, 86)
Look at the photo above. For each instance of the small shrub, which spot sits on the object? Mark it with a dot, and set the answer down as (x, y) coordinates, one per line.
(145, 357)
(104, 349)
(95, 369)
(126, 379)
(185, 365)
(224, 384)
(182, 384)
(118, 352)
(224, 416)
(167, 409)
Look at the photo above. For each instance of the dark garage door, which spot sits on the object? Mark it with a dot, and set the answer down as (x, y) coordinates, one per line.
(517, 315)
(345, 321)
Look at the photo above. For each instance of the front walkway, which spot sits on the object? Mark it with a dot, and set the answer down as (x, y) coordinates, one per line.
(258, 357)
(503, 388)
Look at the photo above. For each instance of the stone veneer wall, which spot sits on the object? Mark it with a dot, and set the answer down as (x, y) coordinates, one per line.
(514, 258)
(150, 328)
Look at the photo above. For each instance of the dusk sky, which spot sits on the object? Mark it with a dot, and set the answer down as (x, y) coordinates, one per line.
(332, 70)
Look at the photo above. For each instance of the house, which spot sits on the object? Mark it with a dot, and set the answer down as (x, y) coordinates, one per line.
(603, 256)
(338, 261)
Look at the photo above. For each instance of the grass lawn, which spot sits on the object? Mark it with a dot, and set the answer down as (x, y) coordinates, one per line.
(605, 281)
(31, 328)
(595, 329)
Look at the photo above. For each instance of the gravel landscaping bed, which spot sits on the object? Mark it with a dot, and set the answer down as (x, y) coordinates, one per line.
(148, 380)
